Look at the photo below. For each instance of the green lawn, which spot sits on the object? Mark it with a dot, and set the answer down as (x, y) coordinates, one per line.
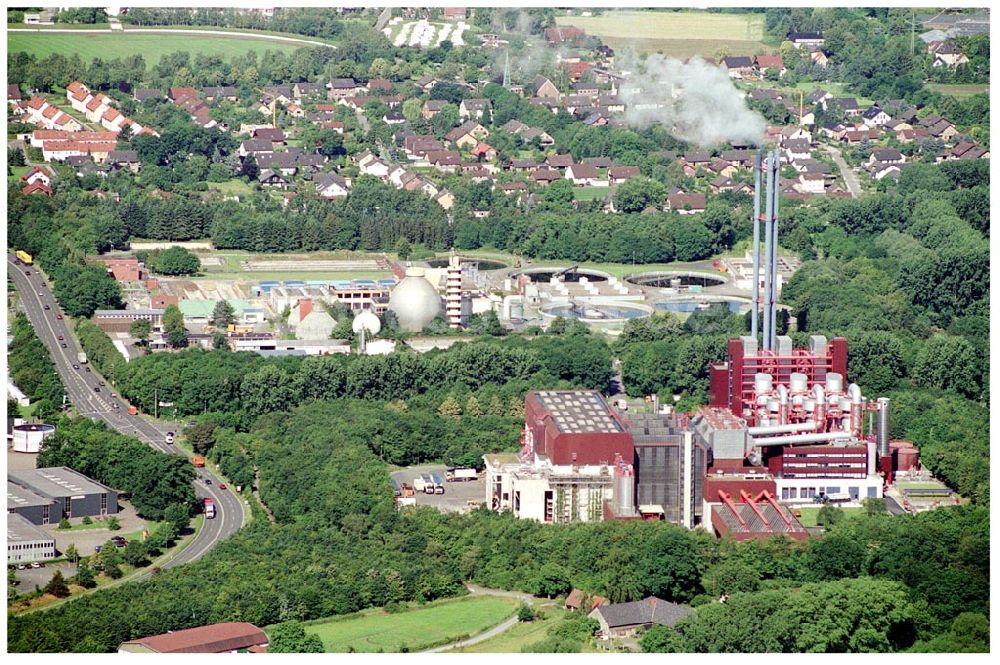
(27, 411)
(590, 193)
(920, 485)
(232, 187)
(152, 47)
(835, 88)
(810, 514)
(678, 34)
(959, 89)
(414, 629)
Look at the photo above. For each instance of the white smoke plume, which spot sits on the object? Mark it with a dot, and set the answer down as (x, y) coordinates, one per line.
(694, 100)
(529, 53)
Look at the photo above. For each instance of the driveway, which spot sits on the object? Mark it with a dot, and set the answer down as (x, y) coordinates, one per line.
(851, 179)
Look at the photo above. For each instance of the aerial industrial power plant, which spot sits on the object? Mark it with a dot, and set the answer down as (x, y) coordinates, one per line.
(539, 330)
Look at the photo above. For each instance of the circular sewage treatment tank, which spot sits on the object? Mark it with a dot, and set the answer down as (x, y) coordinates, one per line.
(544, 275)
(484, 264)
(666, 279)
(596, 313)
(689, 306)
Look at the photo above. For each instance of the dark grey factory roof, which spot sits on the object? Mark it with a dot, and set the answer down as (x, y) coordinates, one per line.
(650, 610)
(57, 481)
(21, 497)
(20, 530)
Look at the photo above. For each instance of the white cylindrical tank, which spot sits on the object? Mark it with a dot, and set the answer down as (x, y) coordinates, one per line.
(773, 405)
(762, 383)
(414, 301)
(29, 438)
(797, 382)
(834, 382)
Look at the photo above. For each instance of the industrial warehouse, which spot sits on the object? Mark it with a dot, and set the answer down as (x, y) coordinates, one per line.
(26, 542)
(45, 496)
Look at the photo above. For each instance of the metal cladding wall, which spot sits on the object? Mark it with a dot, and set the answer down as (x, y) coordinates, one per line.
(719, 385)
(660, 478)
(820, 461)
(36, 514)
(579, 448)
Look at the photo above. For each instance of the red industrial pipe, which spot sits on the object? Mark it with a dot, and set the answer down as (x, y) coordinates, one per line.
(770, 499)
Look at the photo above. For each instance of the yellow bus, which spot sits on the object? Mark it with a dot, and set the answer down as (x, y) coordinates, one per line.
(23, 256)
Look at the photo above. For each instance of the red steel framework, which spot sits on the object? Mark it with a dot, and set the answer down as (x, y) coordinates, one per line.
(732, 383)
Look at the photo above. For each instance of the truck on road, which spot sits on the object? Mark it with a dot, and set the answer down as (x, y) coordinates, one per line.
(81, 358)
(198, 461)
(23, 257)
(437, 483)
(209, 508)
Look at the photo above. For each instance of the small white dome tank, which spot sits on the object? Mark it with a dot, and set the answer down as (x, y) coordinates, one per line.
(414, 301)
(367, 320)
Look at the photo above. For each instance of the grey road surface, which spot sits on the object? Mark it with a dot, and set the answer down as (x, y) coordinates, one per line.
(851, 179)
(34, 293)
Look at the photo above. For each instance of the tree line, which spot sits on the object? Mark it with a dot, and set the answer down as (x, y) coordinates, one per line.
(32, 370)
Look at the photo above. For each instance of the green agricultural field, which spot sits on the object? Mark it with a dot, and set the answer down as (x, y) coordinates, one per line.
(959, 89)
(152, 47)
(413, 629)
(677, 34)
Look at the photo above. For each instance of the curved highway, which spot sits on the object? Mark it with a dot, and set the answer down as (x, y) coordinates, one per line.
(81, 385)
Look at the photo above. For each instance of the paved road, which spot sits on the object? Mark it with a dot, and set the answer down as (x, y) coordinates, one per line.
(850, 177)
(80, 386)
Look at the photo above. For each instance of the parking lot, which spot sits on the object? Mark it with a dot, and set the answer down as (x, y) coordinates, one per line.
(31, 577)
(456, 494)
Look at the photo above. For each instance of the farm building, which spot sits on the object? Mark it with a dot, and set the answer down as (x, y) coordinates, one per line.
(230, 637)
(624, 619)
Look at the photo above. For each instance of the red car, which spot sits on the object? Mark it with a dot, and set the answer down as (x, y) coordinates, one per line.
(222, 486)
(59, 316)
